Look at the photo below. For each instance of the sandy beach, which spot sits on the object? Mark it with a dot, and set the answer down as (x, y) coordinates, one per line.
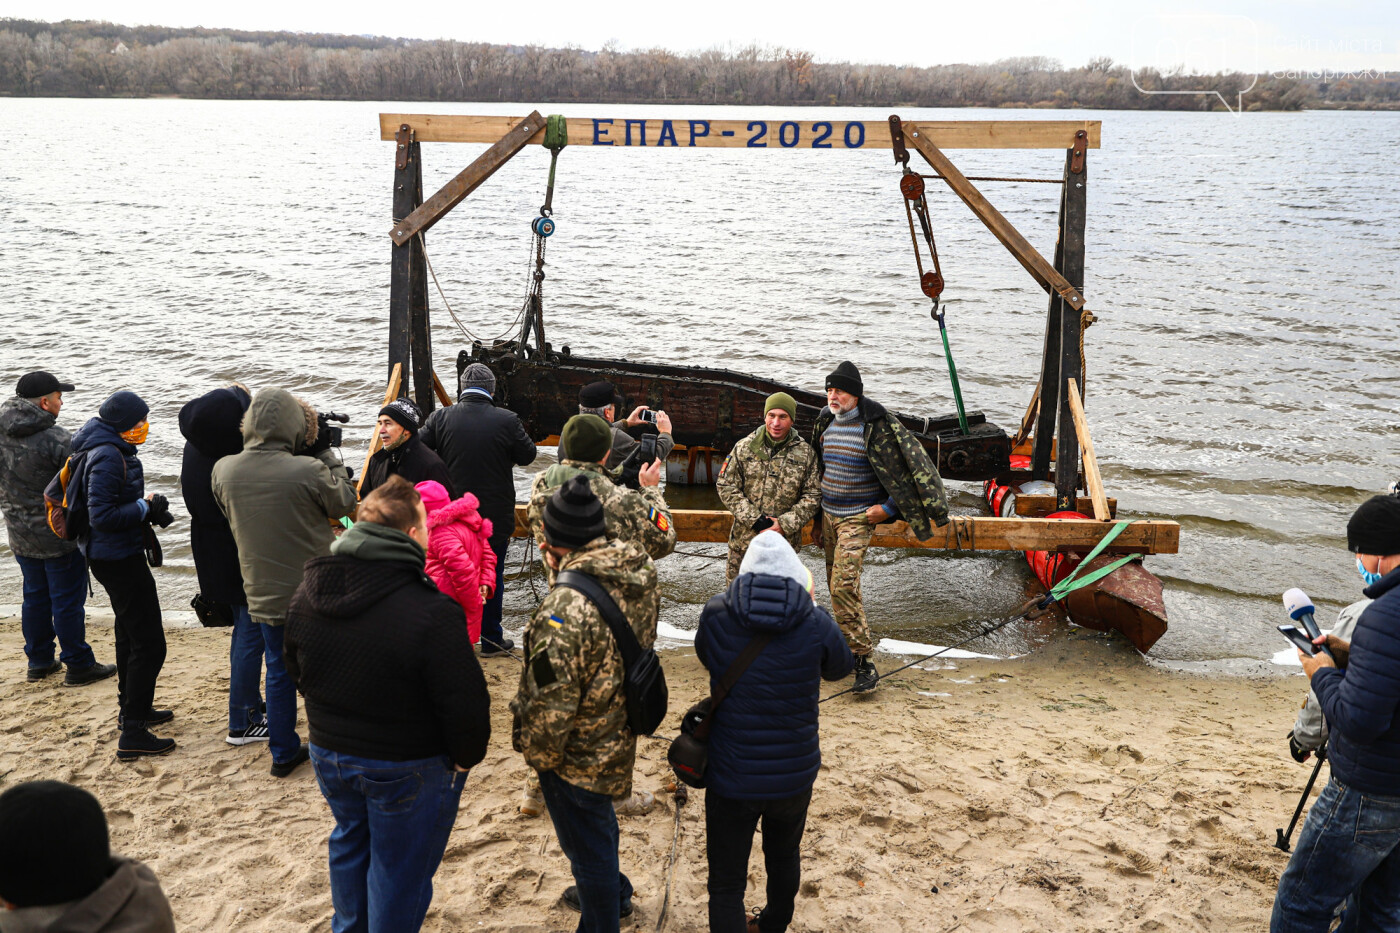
(1074, 789)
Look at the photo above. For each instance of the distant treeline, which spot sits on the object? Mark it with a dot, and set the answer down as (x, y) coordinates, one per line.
(97, 59)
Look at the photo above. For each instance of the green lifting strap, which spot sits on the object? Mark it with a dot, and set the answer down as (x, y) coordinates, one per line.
(952, 374)
(556, 132)
(1069, 584)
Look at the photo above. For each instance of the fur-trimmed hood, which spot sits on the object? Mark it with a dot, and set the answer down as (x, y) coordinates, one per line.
(462, 510)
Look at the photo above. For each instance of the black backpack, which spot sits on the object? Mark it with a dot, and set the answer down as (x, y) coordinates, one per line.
(643, 680)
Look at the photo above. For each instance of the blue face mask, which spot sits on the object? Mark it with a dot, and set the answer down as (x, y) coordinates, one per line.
(1371, 578)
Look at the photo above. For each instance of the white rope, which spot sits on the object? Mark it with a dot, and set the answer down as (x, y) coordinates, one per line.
(456, 320)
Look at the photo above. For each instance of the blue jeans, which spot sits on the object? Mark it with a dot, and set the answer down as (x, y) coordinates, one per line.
(491, 632)
(392, 819)
(245, 654)
(1349, 849)
(283, 741)
(55, 590)
(586, 825)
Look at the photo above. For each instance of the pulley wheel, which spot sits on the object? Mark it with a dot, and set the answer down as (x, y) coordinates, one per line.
(543, 226)
(912, 186)
(932, 284)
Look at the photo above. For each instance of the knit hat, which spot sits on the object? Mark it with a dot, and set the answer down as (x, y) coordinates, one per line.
(123, 410)
(586, 437)
(38, 384)
(573, 516)
(781, 400)
(404, 412)
(596, 395)
(1375, 527)
(477, 376)
(53, 844)
(433, 494)
(846, 378)
(770, 554)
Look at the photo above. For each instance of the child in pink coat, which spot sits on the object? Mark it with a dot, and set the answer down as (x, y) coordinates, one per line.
(460, 559)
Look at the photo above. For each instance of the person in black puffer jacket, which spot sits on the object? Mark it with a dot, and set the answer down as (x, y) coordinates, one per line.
(1349, 848)
(763, 748)
(113, 486)
(212, 426)
(403, 453)
(397, 706)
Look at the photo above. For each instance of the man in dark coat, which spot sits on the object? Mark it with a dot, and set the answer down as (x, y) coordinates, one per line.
(33, 448)
(212, 426)
(402, 452)
(397, 705)
(1349, 848)
(764, 755)
(481, 445)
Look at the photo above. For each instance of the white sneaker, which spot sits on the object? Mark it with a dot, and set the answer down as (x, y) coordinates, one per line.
(639, 804)
(254, 732)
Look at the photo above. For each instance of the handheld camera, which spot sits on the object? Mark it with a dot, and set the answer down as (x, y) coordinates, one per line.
(329, 436)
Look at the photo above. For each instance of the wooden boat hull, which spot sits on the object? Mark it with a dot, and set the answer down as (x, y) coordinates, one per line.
(709, 408)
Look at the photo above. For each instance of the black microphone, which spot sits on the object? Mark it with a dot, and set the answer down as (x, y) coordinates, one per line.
(1300, 610)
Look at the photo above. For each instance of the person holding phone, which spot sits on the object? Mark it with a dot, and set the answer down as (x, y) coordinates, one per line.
(601, 399)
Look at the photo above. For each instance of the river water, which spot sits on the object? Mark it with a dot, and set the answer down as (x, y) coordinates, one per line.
(1242, 380)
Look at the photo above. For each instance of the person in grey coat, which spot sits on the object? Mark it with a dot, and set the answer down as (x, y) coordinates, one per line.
(1310, 730)
(33, 448)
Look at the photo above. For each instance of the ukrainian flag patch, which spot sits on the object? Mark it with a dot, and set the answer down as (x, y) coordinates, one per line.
(658, 518)
(556, 622)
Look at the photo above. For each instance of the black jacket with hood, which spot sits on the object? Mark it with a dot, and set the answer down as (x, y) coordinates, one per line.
(481, 445)
(211, 426)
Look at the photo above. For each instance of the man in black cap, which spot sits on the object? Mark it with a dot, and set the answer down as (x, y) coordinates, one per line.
(872, 470)
(601, 399)
(401, 452)
(33, 448)
(57, 871)
(1349, 848)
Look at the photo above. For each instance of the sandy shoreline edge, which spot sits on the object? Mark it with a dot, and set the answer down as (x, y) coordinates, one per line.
(1076, 788)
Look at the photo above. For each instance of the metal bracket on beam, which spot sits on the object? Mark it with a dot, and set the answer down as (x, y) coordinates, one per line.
(402, 138)
(1076, 159)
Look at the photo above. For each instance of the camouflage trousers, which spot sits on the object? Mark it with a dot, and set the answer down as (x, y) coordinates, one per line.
(844, 540)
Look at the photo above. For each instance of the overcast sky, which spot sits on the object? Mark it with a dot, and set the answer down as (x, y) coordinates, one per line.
(1268, 35)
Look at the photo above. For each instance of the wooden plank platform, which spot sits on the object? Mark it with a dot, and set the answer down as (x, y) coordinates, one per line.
(656, 133)
(963, 533)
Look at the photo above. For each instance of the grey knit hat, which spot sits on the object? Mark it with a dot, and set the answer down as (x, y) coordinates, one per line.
(478, 376)
(771, 554)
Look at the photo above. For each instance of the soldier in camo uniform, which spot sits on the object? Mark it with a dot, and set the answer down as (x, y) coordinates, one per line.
(873, 470)
(570, 713)
(769, 478)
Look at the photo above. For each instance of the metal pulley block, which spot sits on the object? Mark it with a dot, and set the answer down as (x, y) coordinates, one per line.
(932, 284)
(911, 186)
(544, 226)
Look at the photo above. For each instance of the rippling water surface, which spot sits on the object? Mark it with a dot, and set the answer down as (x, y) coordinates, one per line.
(1242, 380)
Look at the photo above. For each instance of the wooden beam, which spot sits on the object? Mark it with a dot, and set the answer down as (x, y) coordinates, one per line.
(468, 179)
(441, 392)
(963, 533)
(1034, 263)
(1030, 506)
(391, 393)
(401, 264)
(1043, 449)
(1092, 479)
(1071, 334)
(420, 334)
(658, 133)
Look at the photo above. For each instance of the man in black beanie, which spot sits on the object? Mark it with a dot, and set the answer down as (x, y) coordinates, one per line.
(570, 710)
(601, 399)
(401, 452)
(1349, 848)
(872, 470)
(57, 871)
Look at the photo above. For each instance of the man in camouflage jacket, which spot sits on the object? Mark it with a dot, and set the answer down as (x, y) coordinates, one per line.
(570, 712)
(769, 475)
(872, 470)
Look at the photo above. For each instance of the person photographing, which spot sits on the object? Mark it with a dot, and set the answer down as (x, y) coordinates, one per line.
(1349, 848)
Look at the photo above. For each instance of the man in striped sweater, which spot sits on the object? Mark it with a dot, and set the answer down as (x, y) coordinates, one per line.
(873, 470)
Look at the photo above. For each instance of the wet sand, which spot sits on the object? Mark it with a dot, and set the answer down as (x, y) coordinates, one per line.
(1075, 789)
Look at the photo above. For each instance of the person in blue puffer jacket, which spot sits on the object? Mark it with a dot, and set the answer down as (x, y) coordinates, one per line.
(763, 748)
(113, 486)
(1349, 848)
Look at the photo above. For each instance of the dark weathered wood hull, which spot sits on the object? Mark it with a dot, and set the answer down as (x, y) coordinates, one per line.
(709, 408)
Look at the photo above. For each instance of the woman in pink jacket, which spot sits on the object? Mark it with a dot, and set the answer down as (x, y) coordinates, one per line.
(460, 559)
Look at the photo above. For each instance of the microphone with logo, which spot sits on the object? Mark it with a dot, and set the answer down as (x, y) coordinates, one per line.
(1300, 609)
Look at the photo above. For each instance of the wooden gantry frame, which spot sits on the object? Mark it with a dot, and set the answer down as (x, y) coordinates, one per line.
(1054, 431)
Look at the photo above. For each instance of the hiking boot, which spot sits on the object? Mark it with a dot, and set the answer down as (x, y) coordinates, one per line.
(88, 675)
(253, 732)
(866, 676)
(639, 804)
(138, 742)
(284, 768)
(39, 673)
(572, 902)
(154, 718)
(531, 804)
(497, 650)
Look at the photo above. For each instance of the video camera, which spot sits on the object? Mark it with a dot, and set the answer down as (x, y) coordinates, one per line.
(326, 435)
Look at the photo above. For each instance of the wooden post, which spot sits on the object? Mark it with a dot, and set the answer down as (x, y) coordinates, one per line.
(420, 338)
(406, 189)
(1093, 480)
(1049, 387)
(1067, 449)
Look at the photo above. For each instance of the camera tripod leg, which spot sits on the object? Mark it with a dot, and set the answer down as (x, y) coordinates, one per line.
(1282, 839)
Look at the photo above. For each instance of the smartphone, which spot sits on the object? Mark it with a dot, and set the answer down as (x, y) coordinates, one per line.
(1293, 634)
(646, 449)
(648, 415)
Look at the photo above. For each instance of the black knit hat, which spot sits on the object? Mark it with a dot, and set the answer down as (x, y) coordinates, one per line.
(846, 378)
(596, 395)
(1375, 527)
(573, 516)
(586, 437)
(404, 412)
(53, 844)
(123, 410)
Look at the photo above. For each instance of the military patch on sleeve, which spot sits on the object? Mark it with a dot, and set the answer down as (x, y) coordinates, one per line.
(542, 671)
(724, 467)
(658, 518)
(556, 622)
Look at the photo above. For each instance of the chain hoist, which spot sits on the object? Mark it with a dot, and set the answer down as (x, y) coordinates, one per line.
(556, 137)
